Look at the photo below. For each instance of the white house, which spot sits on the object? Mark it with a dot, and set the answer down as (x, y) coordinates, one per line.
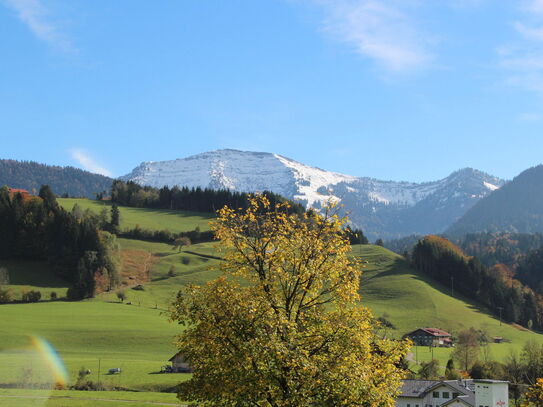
(453, 393)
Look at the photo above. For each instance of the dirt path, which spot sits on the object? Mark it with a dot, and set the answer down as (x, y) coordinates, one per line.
(151, 403)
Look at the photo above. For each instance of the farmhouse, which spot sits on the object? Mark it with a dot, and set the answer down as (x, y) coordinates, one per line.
(430, 337)
(180, 363)
(23, 192)
(453, 393)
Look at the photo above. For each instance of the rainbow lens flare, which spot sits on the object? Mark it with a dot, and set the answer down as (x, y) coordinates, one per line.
(51, 358)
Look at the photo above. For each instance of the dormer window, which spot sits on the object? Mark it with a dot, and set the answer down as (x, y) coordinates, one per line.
(435, 394)
(445, 394)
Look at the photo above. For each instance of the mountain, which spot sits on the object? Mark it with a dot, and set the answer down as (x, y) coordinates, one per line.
(384, 209)
(516, 207)
(31, 176)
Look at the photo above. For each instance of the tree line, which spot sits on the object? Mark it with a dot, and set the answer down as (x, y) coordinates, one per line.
(492, 287)
(64, 181)
(190, 199)
(37, 228)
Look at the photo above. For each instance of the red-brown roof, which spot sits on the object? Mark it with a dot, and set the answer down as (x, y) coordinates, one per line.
(436, 331)
(18, 191)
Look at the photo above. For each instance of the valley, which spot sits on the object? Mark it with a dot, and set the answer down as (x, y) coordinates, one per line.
(136, 336)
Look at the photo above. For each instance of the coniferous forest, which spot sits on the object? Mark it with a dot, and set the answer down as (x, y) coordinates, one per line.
(68, 181)
(492, 287)
(37, 228)
(190, 199)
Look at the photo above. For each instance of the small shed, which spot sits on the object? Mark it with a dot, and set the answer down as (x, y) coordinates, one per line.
(180, 364)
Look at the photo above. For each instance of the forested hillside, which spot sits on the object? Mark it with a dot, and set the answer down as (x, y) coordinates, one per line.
(493, 287)
(189, 199)
(69, 181)
(37, 228)
(516, 207)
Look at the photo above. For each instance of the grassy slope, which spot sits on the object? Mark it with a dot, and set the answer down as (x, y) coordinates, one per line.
(411, 300)
(138, 338)
(153, 219)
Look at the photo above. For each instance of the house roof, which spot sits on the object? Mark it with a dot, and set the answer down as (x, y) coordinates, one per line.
(419, 388)
(467, 399)
(416, 388)
(18, 190)
(433, 331)
(175, 356)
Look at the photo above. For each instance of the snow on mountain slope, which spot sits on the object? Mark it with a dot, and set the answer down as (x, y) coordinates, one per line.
(380, 207)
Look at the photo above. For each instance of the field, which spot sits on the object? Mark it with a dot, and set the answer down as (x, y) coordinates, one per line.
(45, 398)
(136, 336)
(411, 300)
(152, 219)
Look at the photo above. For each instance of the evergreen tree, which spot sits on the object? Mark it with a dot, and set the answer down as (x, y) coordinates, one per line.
(115, 221)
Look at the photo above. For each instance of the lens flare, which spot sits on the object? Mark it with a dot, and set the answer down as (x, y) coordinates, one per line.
(50, 356)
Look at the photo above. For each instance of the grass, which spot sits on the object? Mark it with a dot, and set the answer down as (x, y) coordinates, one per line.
(26, 275)
(411, 300)
(65, 398)
(138, 338)
(151, 219)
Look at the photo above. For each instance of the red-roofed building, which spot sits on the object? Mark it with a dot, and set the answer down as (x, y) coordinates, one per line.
(24, 193)
(430, 337)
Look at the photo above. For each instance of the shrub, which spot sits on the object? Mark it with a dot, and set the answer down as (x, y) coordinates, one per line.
(5, 296)
(4, 275)
(171, 271)
(121, 295)
(53, 296)
(31, 296)
(185, 260)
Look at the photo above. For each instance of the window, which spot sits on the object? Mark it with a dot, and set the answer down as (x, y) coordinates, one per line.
(408, 405)
(435, 394)
(445, 394)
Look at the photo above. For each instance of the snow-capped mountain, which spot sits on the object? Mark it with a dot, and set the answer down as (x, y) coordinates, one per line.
(382, 208)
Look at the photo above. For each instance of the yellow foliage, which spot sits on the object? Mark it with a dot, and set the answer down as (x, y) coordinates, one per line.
(283, 325)
(534, 395)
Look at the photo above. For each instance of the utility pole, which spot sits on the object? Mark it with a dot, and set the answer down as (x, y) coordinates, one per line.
(98, 380)
(500, 308)
(452, 286)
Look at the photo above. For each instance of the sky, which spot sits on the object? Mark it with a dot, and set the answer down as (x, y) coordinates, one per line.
(393, 89)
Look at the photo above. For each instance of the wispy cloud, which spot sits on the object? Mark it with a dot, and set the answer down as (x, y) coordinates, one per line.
(529, 117)
(378, 30)
(88, 163)
(523, 58)
(37, 18)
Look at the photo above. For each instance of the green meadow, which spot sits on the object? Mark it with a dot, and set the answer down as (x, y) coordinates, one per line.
(62, 398)
(152, 219)
(135, 335)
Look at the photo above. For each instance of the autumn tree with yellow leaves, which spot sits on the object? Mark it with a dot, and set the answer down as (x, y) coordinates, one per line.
(283, 326)
(534, 395)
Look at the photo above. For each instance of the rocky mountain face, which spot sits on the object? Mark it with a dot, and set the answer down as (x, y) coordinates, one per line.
(385, 209)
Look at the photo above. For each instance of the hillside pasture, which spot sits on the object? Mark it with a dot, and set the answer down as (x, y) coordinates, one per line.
(411, 300)
(151, 219)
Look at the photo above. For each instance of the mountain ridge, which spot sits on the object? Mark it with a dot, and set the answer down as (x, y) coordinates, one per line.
(517, 207)
(383, 208)
(31, 175)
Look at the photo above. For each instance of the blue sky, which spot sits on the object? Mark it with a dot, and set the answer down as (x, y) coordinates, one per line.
(395, 89)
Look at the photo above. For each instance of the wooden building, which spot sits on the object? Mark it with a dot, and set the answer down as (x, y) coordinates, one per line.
(430, 337)
(180, 364)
